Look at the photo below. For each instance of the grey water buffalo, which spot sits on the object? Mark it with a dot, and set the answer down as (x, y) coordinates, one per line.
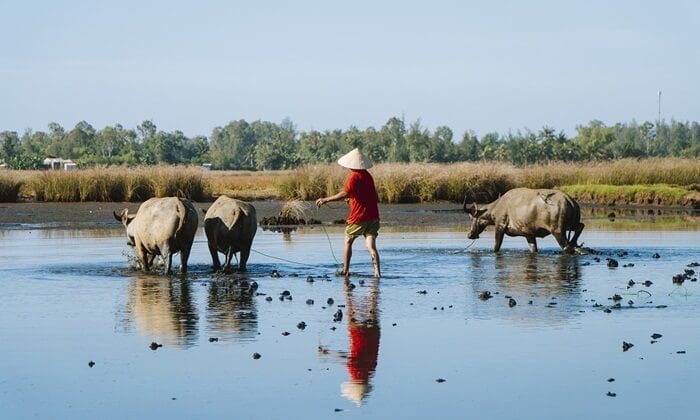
(230, 226)
(161, 226)
(532, 214)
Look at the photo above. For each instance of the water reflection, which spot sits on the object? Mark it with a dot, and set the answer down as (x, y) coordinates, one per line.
(231, 309)
(363, 332)
(547, 279)
(163, 309)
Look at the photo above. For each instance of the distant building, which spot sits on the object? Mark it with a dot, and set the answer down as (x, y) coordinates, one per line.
(56, 164)
(206, 166)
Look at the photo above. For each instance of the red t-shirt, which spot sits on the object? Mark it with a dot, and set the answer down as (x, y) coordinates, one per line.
(363, 197)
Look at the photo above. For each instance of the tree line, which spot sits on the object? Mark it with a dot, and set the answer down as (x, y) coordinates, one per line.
(264, 145)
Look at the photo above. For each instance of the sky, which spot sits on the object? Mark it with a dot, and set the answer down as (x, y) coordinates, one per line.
(478, 66)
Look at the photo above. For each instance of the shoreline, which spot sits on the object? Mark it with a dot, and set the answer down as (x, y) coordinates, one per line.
(98, 215)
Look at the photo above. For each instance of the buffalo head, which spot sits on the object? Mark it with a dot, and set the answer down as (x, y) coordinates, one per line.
(125, 218)
(479, 221)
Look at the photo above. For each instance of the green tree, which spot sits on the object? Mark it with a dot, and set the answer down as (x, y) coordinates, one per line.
(419, 143)
(233, 146)
(10, 146)
(393, 135)
(469, 148)
(442, 148)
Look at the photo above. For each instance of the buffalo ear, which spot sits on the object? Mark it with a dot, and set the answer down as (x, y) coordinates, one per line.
(477, 212)
(204, 211)
(120, 216)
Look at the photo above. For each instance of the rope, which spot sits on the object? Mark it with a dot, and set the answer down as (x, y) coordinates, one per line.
(283, 259)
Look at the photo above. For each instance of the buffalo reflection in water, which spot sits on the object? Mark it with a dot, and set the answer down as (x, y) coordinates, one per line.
(547, 278)
(231, 309)
(163, 309)
(363, 331)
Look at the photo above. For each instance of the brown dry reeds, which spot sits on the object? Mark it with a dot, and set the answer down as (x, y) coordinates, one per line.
(396, 183)
(119, 184)
(11, 183)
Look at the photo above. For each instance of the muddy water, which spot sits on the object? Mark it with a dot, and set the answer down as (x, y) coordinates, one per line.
(419, 343)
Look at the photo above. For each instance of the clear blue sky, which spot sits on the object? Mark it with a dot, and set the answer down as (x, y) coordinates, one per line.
(470, 65)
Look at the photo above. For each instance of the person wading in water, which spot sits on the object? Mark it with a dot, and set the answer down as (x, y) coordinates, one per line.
(363, 219)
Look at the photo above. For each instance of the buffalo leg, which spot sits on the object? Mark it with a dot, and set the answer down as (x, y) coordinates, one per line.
(229, 256)
(532, 244)
(216, 264)
(168, 257)
(499, 239)
(577, 233)
(184, 257)
(245, 253)
(560, 236)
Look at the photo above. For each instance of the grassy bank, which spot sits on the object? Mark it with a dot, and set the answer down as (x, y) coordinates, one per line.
(667, 182)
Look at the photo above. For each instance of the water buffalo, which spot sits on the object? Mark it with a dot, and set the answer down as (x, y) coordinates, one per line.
(161, 226)
(230, 226)
(532, 214)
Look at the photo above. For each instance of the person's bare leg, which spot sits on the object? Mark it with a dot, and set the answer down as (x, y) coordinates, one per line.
(347, 254)
(371, 242)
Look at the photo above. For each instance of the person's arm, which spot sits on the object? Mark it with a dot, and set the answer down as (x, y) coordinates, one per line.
(337, 197)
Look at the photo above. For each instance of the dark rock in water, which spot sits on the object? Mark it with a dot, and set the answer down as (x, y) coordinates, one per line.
(440, 380)
(91, 363)
(616, 297)
(269, 298)
(309, 301)
(330, 301)
(338, 410)
(612, 263)
(155, 346)
(611, 379)
(694, 264)
(607, 310)
(656, 336)
(655, 255)
(611, 394)
(678, 279)
(256, 356)
(680, 352)
(630, 283)
(422, 292)
(647, 283)
(338, 316)
(661, 306)
(285, 333)
(285, 293)
(485, 295)
(309, 279)
(301, 325)
(512, 302)
(213, 339)
(626, 346)
(275, 274)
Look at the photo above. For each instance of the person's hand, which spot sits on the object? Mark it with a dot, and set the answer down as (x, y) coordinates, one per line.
(320, 202)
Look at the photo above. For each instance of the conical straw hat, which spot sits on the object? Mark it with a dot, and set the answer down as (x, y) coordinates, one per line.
(355, 159)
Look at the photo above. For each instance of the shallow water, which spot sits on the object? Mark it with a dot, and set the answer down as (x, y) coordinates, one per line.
(418, 343)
